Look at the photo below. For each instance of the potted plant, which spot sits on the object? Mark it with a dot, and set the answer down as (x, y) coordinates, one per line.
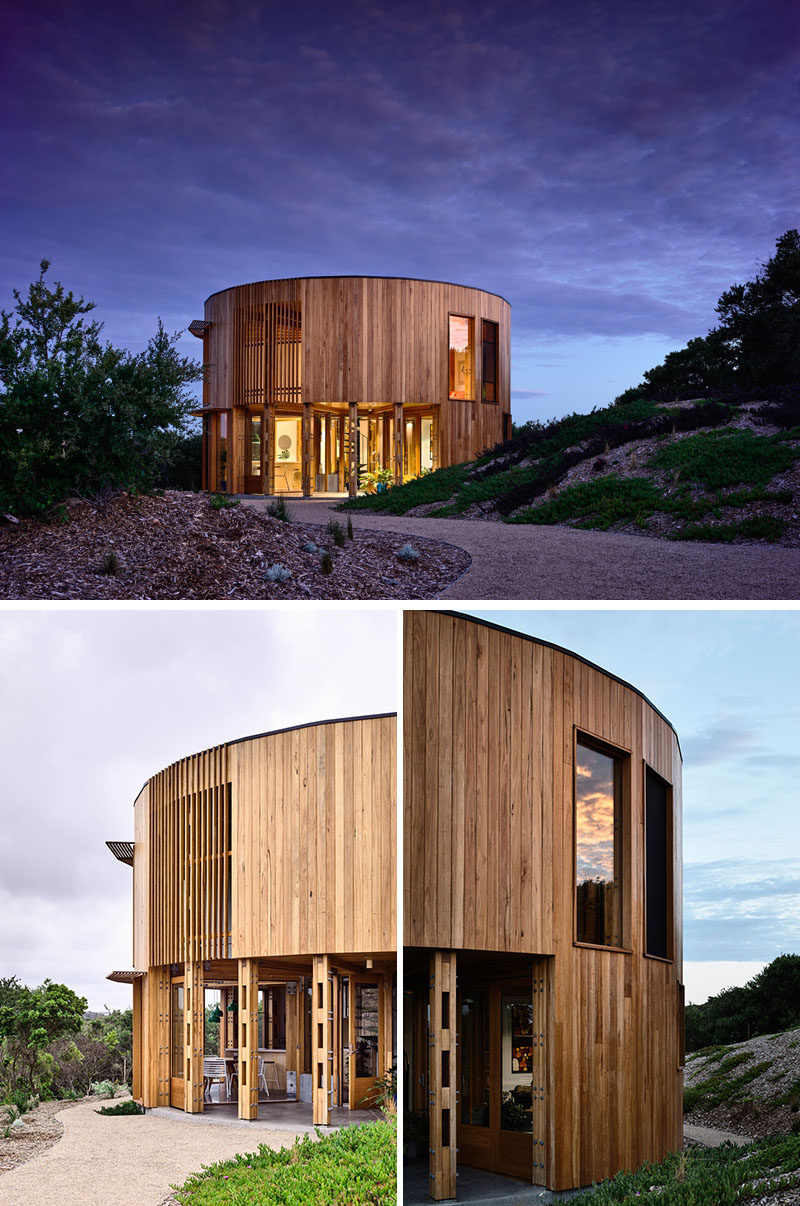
(383, 479)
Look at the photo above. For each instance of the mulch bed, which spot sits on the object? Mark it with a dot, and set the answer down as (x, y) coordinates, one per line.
(40, 1131)
(177, 546)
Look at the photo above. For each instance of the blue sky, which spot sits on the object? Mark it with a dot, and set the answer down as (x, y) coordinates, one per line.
(727, 681)
(609, 169)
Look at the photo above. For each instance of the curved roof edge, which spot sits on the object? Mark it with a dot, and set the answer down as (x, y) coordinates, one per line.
(525, 636)
(356, 276)
(289, 728)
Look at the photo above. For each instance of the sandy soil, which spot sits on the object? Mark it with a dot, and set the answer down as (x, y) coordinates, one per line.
(127, 1161)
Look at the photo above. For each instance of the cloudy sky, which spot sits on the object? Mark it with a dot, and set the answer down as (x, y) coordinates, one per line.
(608, 168)
(727, 681)
(93, 702)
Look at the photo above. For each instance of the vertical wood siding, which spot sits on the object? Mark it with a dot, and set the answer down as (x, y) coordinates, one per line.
(490, 722)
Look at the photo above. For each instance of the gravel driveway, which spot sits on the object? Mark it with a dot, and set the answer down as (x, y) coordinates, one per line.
(106, 1161)
(513, 561)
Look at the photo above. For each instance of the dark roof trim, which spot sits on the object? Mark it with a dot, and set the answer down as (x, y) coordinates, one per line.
(124, 977)
(290, 728)
(123, 851)
(462, 615)
(359, 276)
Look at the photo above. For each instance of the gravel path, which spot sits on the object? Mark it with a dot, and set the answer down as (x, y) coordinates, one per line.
(533, 562)
(102, 1161)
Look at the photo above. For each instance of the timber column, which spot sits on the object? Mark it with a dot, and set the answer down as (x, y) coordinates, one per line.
(194, 1019)
(442, 1075)
(322, 1039)
(306, 453)
(398, 443)
(353, 450)
(248, 1038)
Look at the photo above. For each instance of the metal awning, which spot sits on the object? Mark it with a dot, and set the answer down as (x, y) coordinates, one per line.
(198, 327)
(123, 851)
(124, 977)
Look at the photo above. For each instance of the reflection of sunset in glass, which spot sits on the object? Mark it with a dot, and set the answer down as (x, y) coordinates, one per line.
(594, 816)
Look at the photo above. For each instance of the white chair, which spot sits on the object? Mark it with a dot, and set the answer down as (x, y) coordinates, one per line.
(231, 1075)
(214, 1069)
(262, 1080)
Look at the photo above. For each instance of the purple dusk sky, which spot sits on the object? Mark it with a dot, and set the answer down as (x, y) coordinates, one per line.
(609, 168)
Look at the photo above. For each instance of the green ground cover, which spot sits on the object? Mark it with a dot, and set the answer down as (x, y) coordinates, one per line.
(726, 458)
(705, 1177)
(356, 1166)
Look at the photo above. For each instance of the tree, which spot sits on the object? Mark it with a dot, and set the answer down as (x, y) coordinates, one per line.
(754, 350)
(32, 1020)
(77, 415)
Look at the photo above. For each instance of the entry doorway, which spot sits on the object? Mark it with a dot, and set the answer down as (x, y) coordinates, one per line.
(176, 1045)
(496, 1076)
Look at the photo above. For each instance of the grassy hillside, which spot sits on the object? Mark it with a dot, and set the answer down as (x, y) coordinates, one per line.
(693, 470)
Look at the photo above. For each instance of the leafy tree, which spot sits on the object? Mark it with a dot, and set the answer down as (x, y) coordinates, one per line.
(755, 348)
(35, 1018)
(766, 1004)
(77, 415)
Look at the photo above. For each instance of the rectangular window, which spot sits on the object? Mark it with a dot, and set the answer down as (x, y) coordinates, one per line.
(461, 357)
(489, 362)
(177, 1030)
(255, 445)
(598, 846)
(657, 860)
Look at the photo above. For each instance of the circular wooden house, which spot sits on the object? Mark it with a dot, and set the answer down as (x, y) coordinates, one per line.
(321, 385)
(264, 922)
(543, 1009)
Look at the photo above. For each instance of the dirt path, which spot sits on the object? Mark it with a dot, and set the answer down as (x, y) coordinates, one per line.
(131, 1161)
(512, 561)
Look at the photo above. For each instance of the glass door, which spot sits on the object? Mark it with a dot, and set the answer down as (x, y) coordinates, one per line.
(496, 1078)
(176, 1046)
(253, 482)
(364, 1005)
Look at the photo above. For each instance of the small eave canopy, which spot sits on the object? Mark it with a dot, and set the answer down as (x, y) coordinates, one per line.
(198, 327)
(124, 977)
(123, 851)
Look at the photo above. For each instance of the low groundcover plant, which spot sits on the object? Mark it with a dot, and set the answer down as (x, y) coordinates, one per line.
(356, 1166)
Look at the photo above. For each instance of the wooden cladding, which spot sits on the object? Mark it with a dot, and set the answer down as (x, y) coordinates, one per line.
(314, 812)
(189, 855)
(369, 341)
(265, 347)
(442, 1094)
(492, 722)
(276, 845)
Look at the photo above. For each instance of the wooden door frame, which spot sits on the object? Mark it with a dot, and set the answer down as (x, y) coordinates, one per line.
(505, 1151)
(359, 1093)
(177, 1084)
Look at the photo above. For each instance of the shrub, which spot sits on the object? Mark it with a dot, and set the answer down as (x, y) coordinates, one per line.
(336, 531)
(103, 1088)
(725, 458)
(279, 510)
(110, 564)
(128, 1106)
(220, 501)
(349, 528)
(278, 573)
(356, 1166)
(326, 562)
(310, 547)
(408, 553)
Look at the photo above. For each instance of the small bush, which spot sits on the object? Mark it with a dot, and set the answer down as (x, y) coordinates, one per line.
(220, 501)
(310, 547)
(725, 458)
(337, 532)
(103, 1088)
(279, 510)
(278, 573)
(349, 528)
(326, 562)
(356, 1166)
(407, 553)
(110, 564)
(129, 1106)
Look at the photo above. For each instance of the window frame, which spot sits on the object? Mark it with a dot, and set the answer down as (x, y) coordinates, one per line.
(600, 745)
(496, 400)
(669, 855)
(470, 318)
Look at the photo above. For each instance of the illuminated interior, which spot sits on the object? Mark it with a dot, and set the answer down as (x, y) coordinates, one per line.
(461, 357)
